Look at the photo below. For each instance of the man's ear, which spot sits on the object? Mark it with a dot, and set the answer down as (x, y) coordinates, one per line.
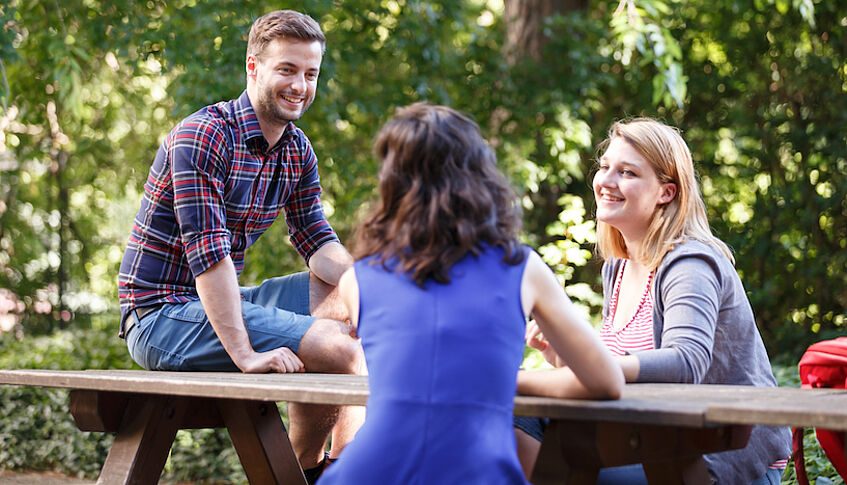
(668, 193)
(251, 66)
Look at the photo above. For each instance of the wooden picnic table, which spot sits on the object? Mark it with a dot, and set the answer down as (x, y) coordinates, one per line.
(667, 427)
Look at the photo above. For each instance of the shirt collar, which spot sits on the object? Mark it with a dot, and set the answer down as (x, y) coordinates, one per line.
(248, 124)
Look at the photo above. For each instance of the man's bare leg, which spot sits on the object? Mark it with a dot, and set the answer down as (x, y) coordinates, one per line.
(325, 302)
(326, 347)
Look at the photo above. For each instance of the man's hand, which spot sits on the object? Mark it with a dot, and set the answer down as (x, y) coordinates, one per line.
(218, 290)
(282, 360)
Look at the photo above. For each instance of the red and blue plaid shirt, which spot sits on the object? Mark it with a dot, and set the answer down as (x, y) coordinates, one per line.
(215, 186)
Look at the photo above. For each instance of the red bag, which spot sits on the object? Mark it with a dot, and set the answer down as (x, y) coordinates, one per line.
(823, 365)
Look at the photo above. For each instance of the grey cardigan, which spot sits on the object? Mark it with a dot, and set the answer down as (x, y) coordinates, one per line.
(704, 333)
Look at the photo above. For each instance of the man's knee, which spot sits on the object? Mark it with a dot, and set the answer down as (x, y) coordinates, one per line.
(324, 300)
(328, 347)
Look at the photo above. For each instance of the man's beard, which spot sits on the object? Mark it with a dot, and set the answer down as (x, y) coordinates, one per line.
(268, 106)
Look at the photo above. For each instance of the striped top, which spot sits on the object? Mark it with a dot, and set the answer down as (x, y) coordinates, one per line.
(637, 334)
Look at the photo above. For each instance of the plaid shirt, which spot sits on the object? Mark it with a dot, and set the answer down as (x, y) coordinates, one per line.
(213, 189)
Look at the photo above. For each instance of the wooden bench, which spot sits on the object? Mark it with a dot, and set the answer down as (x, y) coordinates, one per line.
(667, 427)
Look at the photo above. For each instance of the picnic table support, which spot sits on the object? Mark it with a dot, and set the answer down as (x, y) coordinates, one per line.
(260, 439)
(573, 451)
(146, 426)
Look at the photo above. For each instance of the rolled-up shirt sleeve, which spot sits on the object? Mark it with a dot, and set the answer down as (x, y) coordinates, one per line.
(198, 167)
(308, 228)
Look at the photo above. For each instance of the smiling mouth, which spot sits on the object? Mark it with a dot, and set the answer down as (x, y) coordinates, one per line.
(292, 99)
(610, 198)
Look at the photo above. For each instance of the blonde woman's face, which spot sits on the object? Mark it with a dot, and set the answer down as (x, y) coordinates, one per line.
(627, 190)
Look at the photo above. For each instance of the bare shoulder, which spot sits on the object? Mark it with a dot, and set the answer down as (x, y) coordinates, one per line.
(537, 273)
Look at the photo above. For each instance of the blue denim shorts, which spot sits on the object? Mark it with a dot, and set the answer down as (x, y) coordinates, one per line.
(531, 425)
(179, 336)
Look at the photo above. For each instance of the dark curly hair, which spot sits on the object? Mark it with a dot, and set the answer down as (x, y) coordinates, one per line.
(441, 195)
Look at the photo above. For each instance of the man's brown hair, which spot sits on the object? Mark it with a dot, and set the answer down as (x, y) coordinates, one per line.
(283, 24)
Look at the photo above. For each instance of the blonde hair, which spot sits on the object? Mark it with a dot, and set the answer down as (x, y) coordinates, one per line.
(682, 218)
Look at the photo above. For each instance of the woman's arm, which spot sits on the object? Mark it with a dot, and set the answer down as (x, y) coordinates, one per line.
(591, 371)
(687, 305)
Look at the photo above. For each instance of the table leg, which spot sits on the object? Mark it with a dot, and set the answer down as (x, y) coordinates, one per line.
(146, 426)
(144, 440)
(554, 468)
(261, 441)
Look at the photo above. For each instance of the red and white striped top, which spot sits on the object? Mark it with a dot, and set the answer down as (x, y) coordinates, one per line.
(637, 334)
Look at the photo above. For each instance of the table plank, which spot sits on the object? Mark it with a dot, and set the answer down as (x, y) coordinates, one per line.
(626, 410)
(310, 388)
(338, 389)
(670, 404)
(824, 409)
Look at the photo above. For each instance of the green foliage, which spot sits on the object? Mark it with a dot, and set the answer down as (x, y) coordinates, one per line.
(203, 456)
(764, 121)
(818, 467)
(74, 114)
(88, 89)
(71, 349)
(757, 88)
(37, 433)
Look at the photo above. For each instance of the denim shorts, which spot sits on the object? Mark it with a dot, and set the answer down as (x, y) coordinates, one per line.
(179, 336)
(531, 425)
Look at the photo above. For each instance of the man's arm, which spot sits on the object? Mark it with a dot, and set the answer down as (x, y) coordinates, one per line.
(218, 290)
(330, 261)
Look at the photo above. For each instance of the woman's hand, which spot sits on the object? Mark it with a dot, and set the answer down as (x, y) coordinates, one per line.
(590, 370)
(535, 339)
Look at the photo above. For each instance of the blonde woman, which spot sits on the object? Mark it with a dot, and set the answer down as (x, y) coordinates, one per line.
(674, 307)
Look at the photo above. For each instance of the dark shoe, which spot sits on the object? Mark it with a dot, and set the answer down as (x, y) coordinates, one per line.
(312, 474)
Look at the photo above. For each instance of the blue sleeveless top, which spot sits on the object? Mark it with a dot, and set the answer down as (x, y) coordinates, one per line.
(442, 363)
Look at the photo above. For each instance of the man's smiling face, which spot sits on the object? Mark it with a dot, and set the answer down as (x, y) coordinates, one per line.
(286, 77)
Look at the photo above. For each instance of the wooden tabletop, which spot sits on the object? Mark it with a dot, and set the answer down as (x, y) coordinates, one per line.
(312, 388)
(670, 404)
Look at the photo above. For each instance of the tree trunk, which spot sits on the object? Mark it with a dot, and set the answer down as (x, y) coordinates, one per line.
(525, 35)
(60, 160)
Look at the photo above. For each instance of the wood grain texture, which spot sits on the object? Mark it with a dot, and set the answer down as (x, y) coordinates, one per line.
(671, 404)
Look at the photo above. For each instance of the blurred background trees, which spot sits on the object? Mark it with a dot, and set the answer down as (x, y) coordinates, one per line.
(89, 88)
(759, 88)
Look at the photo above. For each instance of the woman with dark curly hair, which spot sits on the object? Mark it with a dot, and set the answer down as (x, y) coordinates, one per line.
(439, 295)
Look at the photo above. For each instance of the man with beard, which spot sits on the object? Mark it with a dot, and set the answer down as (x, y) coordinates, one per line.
(218, 181)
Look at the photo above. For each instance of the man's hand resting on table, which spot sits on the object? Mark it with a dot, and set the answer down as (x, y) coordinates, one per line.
(280, 360)
(218, 291)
